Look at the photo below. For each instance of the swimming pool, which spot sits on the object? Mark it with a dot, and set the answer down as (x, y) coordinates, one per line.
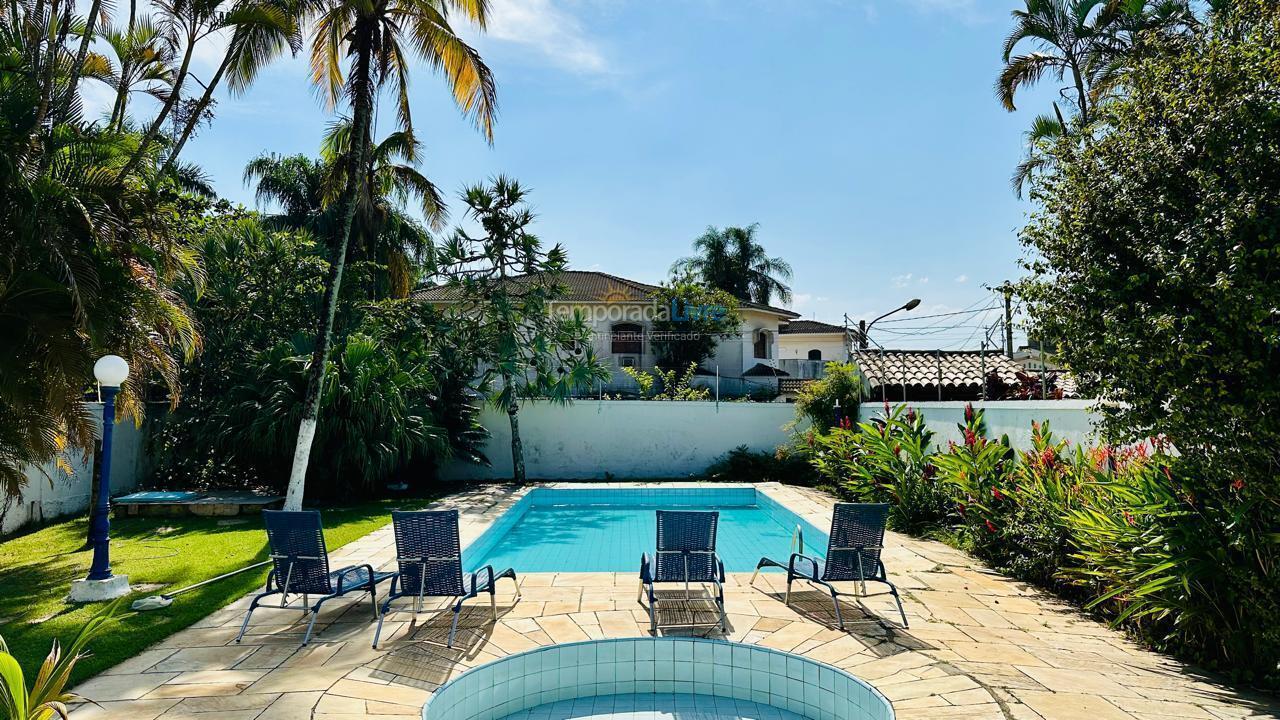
(606, 529)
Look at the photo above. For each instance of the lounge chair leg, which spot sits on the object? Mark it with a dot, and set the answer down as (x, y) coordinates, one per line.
(640, 595)
(754, 575)
(493, 604)
(373, 598)
(245, 625)
(897, 599)
(306, 604)
(835, 602)
(453, 629)
(377, 633)
(315, 613)
(786, 600)
(653, 616)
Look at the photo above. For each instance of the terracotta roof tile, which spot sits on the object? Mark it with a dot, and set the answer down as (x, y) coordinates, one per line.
(923, 368)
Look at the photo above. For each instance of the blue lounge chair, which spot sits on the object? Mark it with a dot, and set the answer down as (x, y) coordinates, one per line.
(429, 554)
(301, 566)
(686, 553)
(853, 554)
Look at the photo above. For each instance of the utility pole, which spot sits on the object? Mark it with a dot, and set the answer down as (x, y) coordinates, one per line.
(1007, 290)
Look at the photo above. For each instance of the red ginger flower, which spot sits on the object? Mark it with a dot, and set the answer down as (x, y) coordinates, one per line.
(991, 528)
(1237, 484)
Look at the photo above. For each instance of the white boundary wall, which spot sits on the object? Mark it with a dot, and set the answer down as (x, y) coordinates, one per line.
(1068, 419)
(51, 493)
(645, 439)
(628, 439)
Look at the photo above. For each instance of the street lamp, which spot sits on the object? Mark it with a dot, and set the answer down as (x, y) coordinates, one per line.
(911, 304)
(111, 371)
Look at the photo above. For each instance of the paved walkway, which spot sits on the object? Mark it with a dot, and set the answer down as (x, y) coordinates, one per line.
(979, 646)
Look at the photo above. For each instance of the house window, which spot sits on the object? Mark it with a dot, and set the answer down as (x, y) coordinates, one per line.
(627, 361)
(815, 354)
(626, 339)
(764, 344)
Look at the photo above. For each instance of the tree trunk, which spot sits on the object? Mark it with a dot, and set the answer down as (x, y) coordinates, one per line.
(517, 447)
(76, 69)
(126, 67)
(361, 121)
(174, 95)
(195, 117)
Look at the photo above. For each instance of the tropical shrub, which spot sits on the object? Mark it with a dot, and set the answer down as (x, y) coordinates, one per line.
(833, 397)
(744, 465)
(885, 460)
(667, 385)
(703, 317)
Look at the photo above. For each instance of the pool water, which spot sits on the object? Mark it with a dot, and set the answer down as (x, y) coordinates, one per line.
(656, 706)
(610, 537)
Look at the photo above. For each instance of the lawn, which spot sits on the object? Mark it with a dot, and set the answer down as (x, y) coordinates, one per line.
(36, 571)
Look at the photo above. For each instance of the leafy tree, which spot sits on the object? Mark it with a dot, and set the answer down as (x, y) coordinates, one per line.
(397, 400)
(505, 282)
(702, 318)
(141, 65)
(374, 37)
(732, 260)
(1154, 257)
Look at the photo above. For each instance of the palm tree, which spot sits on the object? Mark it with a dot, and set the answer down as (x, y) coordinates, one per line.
(732, 260)
(1089, 41)
(379, 38)
(1071, 36)
(142, 65)
(306, 191)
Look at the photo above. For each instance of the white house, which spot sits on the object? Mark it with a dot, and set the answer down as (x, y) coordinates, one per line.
(621, 314)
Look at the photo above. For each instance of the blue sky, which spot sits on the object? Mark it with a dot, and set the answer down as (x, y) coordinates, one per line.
(863, 136)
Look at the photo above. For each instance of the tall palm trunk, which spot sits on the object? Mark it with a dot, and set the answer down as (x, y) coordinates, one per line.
(362, 116)
(126, 67)
(158, 123)
(200, 107)
(95, 8)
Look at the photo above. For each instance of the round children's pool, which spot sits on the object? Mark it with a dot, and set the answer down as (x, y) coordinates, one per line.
(656, 679)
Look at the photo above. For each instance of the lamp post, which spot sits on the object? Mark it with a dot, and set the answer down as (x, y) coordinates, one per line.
(111, 371)
(911, 304)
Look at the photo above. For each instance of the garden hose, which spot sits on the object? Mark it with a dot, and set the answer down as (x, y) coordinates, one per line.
(156, 602)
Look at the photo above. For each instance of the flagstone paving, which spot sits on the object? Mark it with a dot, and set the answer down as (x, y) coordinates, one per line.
(979, 645)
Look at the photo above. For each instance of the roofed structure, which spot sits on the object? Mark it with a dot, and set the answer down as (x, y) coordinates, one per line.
(811, 327)
(589, 286)
(936, 374)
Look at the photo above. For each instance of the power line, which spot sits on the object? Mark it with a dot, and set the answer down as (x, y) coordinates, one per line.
(939, 315)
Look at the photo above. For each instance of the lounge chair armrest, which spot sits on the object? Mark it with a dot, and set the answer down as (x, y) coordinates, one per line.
(646, 573)
(719, 566)
(812, 562)
(486, 570)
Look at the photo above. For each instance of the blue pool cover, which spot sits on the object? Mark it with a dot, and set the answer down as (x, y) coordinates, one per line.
(159, 496)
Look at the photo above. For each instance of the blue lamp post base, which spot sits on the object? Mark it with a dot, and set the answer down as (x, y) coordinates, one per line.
(101, 584)
(85, 591)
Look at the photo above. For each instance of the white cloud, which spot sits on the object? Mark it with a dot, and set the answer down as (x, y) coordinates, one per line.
(550, 31)
(902, 280)
(923, 280)
(962, 278)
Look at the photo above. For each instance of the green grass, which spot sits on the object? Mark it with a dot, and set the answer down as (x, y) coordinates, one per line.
(36, 570)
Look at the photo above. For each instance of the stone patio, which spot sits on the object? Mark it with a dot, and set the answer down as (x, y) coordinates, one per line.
(979, 646)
